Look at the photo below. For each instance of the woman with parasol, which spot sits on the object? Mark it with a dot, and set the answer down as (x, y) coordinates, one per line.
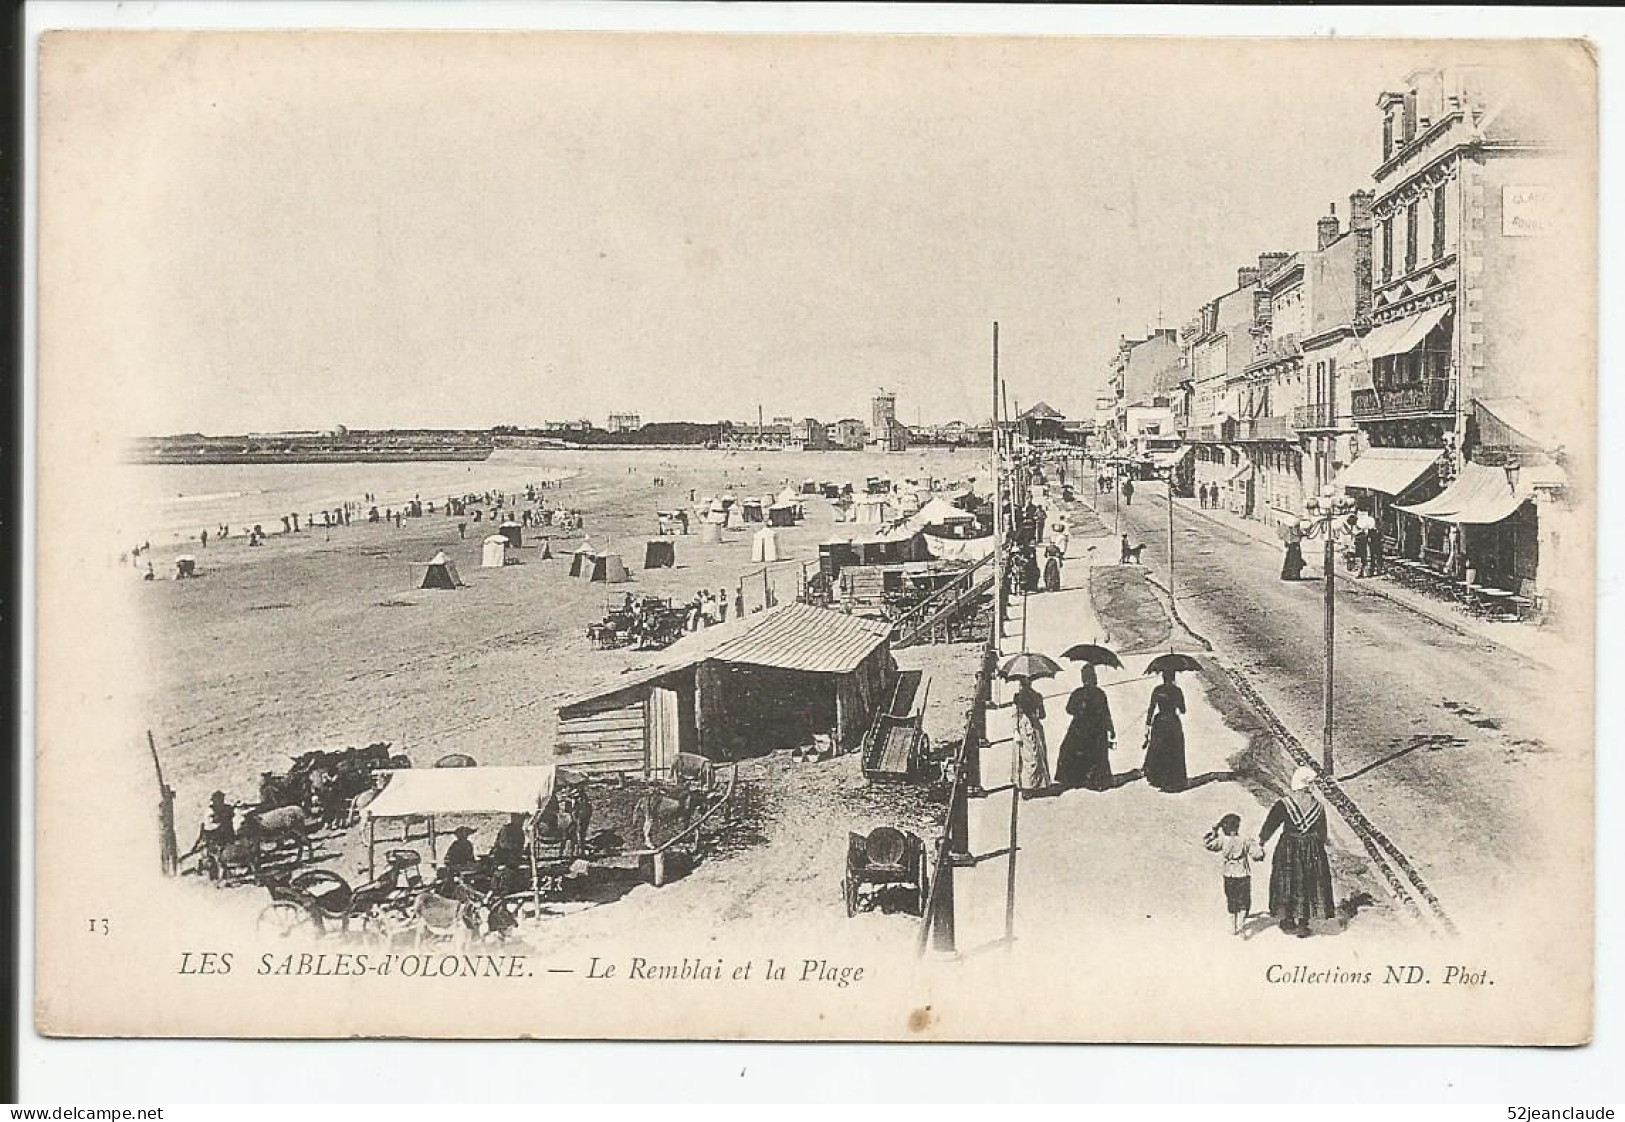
(1032, 754)
(1084, 758)
(1300, 875)
(1164, 765)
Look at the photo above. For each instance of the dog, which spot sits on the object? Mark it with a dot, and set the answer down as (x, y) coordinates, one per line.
(1131, 553)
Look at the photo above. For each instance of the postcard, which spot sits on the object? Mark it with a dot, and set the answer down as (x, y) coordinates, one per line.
(815, 537)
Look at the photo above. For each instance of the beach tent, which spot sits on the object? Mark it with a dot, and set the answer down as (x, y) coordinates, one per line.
(940, 512)
(494, 552)
(659, 554)
(781, 514)
(581, 560)
(764, 546)
(512, 531)
(789, 497)
(809, 486)
(608, 568)
(869, 510)
(547, 551)
(440, 572)
(736, 517)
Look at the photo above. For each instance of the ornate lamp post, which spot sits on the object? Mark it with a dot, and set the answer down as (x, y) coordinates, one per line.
(1326, 519)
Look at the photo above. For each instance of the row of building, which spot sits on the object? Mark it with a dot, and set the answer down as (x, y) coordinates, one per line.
(1407, 358)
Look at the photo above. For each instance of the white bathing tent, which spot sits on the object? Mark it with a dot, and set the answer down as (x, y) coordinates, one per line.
(494, 552)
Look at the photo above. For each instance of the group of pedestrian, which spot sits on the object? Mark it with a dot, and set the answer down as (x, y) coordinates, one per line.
(1207, 495)
(1300, 872)
(706, 610)
(1084, 758)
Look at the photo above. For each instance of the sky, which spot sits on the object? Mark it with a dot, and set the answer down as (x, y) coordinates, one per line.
(256, 232)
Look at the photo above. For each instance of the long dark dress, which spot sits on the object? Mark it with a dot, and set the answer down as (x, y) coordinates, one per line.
(1052, 575)
(1084, 759)
(1292, 563)
(1300, 876)
(1165, 745)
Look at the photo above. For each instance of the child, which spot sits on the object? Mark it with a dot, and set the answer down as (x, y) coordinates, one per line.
(1239, 854)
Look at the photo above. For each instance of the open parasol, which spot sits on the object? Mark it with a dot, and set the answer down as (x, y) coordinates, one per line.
(1027, 665)
(1172, 662)
(1092, 653)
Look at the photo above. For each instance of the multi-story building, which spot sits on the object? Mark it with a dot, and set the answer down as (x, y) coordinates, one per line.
(625, 422)
(1334, 355)
(809, 434)
(756, 436)
(1219, 346)
(849, 432)
(1473, 241)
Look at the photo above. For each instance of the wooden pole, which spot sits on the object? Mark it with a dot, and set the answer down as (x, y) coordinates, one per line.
(1330, 581)
(168, 847)
(999, 575)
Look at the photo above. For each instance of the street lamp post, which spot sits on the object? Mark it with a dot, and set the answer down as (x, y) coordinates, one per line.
(1325, 511)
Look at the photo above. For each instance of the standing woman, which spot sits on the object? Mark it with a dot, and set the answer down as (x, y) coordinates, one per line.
(1052, 570)
(1032, 759)
(1084, 759)
(1165, 737)
(1300, 875)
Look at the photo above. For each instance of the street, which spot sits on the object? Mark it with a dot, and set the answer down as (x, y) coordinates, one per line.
(1447, 742)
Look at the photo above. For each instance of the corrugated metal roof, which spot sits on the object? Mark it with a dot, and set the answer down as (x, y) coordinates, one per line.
(789, 637)
(802, 637)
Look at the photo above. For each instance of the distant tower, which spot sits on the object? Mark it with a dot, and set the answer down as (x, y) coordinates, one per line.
(884, 413)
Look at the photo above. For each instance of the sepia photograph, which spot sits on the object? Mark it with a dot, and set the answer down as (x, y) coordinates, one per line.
(639, 536)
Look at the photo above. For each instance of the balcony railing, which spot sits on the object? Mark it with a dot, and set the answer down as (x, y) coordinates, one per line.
(1262, 428)
(1317, 415)
(1435, 395)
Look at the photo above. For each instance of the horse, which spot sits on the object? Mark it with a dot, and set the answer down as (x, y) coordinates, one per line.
(663, 806)
(277, 825)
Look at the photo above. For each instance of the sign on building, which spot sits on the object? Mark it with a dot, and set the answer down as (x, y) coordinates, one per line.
(1524, 211)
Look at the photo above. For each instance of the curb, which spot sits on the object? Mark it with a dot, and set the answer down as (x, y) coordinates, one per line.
(1379, 591)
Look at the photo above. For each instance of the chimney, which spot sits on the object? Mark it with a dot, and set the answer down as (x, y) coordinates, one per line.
(1269, 262)
(1328, 229)
(1246, 276)
(1360, 210)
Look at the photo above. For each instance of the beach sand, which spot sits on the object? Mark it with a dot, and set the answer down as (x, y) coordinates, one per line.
(320, 640)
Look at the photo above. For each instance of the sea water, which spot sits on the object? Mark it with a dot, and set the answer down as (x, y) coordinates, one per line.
(170, 503)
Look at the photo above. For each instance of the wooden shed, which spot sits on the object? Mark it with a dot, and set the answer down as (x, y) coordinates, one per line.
(771, 680)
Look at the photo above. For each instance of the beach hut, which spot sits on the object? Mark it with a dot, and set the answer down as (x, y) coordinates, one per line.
(809, 486)
(752, 510)
(440, 571)
(659, 554)
(870, 510)
(736, 517)
(494, 552)
(513, 532)
(781, 514)
(756, 683)
(834, 555)
(764, 547)
(581, 561)
(608, 568)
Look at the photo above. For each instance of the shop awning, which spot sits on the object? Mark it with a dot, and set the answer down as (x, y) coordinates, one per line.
(1170, 458)
(1390, 471)
(1479, 495)
(1402, 335)
(1510, 422)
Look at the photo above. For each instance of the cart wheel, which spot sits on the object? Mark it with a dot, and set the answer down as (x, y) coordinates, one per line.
(327, 890)
(849, 891)
(517, 910)
(284, 918)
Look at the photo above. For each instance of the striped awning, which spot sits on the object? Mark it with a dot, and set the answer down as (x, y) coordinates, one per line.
(1480, 496)
(1402, 335)
(1389, 471)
